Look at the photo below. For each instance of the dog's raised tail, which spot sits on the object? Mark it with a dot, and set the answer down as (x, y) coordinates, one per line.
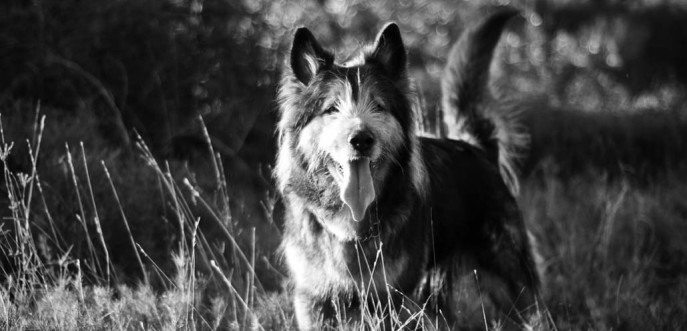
(466, 102)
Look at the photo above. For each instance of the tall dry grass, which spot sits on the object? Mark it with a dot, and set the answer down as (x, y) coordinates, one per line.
(615, 257)
(52, 279)
(613, 250)
(45, 287)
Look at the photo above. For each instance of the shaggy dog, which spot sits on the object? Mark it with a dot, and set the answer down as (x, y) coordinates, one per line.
(382, 222)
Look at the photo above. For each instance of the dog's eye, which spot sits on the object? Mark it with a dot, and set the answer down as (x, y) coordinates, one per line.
(331, 110)
(378, 109)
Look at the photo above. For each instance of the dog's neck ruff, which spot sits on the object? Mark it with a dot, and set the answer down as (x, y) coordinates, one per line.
(373, 230)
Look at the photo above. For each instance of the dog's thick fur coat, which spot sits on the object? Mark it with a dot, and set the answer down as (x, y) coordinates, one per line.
(377, 217)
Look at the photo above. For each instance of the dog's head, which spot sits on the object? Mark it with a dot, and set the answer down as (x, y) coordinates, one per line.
(351, 121)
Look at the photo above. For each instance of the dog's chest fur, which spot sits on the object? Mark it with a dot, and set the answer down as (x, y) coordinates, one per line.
(328, 265)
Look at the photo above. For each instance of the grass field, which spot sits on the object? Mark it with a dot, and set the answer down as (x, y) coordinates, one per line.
(614, 250)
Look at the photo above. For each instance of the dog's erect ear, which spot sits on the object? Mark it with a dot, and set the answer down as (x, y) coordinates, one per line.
(307, 56)
(389, 51)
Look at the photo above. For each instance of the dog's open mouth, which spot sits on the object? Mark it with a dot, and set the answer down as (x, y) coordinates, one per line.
(355, 185)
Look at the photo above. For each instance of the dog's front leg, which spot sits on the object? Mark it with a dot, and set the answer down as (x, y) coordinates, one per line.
(313, 313)
(303, 307)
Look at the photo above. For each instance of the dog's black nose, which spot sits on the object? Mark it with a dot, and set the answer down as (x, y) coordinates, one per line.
(361, 141)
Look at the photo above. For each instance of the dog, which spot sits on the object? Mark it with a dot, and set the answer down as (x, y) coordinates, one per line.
(383, 222)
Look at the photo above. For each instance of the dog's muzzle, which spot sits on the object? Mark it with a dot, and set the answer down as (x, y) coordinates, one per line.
(361, 141)
(354, 176)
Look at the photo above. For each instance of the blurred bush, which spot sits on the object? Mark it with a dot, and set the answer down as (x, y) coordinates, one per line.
(154, 66)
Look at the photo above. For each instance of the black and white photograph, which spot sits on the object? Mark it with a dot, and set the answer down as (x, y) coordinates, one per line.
(343, 165)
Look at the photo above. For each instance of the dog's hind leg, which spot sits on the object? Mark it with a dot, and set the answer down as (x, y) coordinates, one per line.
(512, 297)
(504, 260)
(509, 275)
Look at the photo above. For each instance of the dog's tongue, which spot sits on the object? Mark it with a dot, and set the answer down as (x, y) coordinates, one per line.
(357, 191)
